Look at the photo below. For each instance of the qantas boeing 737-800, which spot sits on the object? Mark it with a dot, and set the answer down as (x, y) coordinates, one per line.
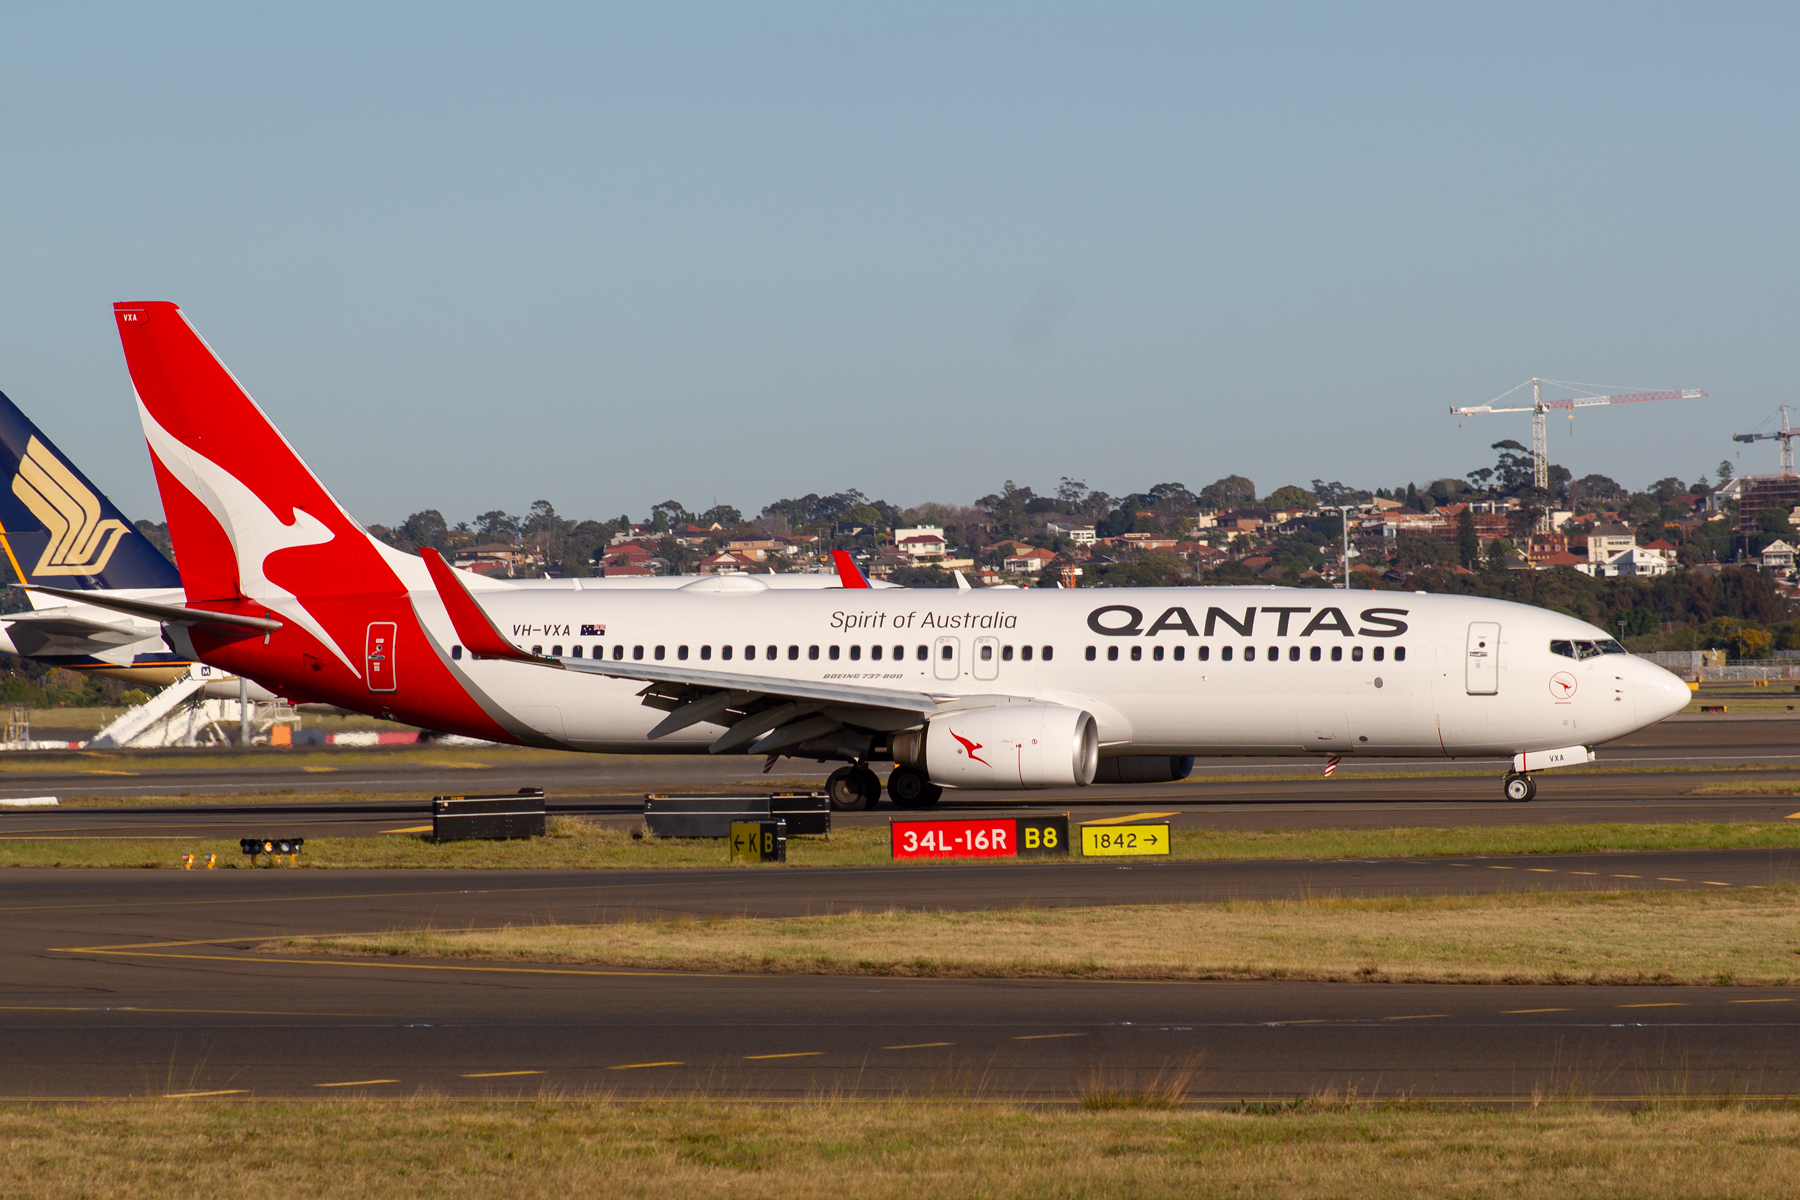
(985, 689)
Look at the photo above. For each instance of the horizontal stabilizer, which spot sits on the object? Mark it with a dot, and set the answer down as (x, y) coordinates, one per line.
(167, 614)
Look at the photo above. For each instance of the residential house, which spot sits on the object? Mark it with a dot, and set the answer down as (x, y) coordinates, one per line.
(756, 547)
(1145, 541)
(728, 562)
(921, 542)
(1606, 540)
(1081, 535)
(887, 562)
(1029, 560)
(1778, 556)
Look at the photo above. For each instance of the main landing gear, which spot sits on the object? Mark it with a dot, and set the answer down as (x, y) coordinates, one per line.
(909, 787)
(853, 789)
(1519, 788)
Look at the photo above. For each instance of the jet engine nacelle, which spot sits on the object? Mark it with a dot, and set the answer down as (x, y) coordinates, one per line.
(1144, 768)
(1009, 746)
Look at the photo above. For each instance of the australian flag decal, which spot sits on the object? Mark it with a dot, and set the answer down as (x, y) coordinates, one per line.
(593, 631)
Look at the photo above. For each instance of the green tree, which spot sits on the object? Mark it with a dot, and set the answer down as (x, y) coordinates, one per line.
(1233, 491)
(1291, 496)
(1468, 541)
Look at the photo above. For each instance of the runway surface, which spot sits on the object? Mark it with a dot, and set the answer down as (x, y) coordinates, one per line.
(1223, 794)
(117, 983)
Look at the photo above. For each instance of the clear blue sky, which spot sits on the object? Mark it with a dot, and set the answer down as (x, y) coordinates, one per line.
(471, 256)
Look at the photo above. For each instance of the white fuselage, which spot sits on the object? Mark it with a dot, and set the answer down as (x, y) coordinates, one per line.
(1185, 671)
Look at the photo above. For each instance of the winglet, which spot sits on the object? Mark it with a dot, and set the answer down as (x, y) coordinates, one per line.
(962, 585)
(849, 574)
(471, 624)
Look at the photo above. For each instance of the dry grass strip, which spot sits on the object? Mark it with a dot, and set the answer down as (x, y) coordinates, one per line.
(900, 1149)
(579, 845)
(1710, 938)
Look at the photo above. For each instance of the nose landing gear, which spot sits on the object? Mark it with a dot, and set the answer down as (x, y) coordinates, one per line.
(1519, 788)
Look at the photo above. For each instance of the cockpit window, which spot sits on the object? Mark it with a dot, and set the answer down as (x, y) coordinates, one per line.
(1586, 650)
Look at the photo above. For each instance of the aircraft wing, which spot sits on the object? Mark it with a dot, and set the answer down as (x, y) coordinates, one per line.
(766, 714)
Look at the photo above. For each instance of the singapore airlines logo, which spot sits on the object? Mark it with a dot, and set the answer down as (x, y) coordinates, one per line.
(80, 542)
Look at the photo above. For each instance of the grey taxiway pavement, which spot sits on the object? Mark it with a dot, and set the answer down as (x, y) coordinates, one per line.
(135, 983)
(152, 982)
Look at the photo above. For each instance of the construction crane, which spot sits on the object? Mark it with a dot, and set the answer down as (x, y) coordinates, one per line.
(1784, 435)
(1540, 452)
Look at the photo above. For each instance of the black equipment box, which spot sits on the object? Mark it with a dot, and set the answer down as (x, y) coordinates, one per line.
(517, 814)
(713, 816)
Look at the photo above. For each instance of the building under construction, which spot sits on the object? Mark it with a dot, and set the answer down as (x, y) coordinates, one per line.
(1761, 492)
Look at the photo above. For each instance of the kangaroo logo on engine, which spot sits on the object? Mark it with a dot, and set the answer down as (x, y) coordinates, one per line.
(80, 542)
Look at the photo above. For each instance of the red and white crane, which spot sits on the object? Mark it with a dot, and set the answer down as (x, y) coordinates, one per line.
(1540, 452)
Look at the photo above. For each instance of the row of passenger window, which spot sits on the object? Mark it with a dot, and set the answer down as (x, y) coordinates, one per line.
(1272, 654)
(986, 652)
(833, 653)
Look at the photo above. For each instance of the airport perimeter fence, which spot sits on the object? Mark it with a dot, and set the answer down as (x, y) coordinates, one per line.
(1707, 666)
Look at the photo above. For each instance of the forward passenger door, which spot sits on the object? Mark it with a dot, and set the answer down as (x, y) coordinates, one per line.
(1481, 666)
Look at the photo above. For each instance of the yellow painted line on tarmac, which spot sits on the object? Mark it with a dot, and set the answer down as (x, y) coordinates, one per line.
(498, 1074)
(1771, 1000)
(1627, 876)
(357, 1083)
(317, 770)
(1148, 816)
(1541, 870)
(639, 1066)
(410, 829)
(789, 1054)
(198, 1095)
(1793, 816)
(1658, 1004)
(1491, 867)
(98, 771)
(1044, 1037)
(1514, 1012)
(1714, 883)
(919, 1046)
(1669, 879)
(1418, 1017)
(1584, 872)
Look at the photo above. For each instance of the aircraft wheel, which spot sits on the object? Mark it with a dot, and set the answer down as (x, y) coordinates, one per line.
(1520, 788)
(869, 783)
(853, 789)
(909, 787)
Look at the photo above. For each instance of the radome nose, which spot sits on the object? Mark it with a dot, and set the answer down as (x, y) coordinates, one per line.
(1659, 693)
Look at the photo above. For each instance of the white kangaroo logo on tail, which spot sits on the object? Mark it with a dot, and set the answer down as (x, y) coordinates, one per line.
(254, 529)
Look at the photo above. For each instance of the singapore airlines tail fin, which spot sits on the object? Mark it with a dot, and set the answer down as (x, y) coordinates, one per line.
(58, 529)
(249, 520)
